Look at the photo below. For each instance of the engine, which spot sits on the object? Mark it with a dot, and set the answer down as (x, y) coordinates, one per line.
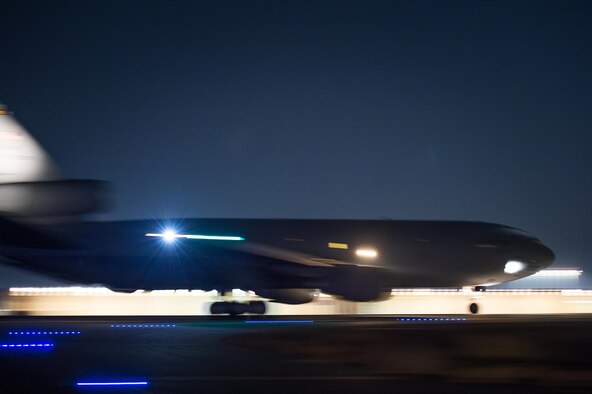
(288, 296)
(52, 198)
(357, 283)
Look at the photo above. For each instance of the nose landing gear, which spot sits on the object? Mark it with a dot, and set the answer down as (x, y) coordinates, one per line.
(474, 308)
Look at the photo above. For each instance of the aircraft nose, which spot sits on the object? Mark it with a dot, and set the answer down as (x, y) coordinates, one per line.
(547, 255)
(541, 254)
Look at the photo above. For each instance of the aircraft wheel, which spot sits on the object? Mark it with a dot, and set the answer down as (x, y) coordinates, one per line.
(257, 307)
(228, 308)
(474, 308)
(237, 308)
(218, 308)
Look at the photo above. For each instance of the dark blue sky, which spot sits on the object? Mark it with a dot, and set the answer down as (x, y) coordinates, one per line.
(476, 110)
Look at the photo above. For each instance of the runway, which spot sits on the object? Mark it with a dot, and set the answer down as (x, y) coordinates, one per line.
(297, 354)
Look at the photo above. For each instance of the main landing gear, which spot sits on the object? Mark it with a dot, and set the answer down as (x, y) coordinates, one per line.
(474, 307)
(237, 308)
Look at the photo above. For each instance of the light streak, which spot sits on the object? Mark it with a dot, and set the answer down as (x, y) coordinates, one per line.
(170, 236)
(139, 383)
(43, 332)
(421, 319)
(25, 345)
(573, 273)
(279, 321)
(338, 245)
(367, 253)
(143, 325)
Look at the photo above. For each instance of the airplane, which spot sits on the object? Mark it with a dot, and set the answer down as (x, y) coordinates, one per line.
(282, 260)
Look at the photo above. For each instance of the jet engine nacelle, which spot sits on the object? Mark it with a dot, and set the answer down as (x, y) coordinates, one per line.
(288, 296)
(357, 283)
(52, 198)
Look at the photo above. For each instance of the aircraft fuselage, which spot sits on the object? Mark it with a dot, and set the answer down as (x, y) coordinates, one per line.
(282, 253)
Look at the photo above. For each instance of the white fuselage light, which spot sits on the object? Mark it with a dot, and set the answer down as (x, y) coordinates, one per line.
(514, 266)
(169, 236)
(367, 253)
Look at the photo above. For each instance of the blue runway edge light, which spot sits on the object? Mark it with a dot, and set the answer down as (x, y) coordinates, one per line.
(143, 325)
(430, 319)
(141, 383)
(43, 332)
(279, 321)
(26, 345)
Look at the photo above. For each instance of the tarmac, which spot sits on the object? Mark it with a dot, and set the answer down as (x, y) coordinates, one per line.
(296, 354)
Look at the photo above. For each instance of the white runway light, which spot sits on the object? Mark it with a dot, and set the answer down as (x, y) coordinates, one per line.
(513, 267)
(559, 273)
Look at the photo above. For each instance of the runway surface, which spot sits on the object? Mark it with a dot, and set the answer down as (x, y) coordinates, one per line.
(297, 354)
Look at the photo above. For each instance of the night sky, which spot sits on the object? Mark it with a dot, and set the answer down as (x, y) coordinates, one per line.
(475, 110)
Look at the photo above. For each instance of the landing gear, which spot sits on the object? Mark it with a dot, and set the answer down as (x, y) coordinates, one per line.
(237, 308)
(257, 307)
(474, 308)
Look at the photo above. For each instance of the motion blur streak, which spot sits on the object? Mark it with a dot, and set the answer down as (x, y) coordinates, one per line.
(44, 332)
(279, 321)
(169, 236)
(26, 345)
(111, 383)
(438, 319)
(142, 325)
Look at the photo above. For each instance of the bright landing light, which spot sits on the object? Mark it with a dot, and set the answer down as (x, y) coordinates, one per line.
(368, 253)
(169, 236)
(513, 267)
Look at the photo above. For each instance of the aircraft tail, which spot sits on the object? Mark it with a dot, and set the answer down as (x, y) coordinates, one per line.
(31, 184)
(22, 159)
